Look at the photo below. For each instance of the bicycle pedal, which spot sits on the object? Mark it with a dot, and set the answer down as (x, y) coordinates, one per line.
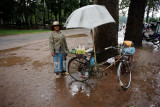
(120, 83)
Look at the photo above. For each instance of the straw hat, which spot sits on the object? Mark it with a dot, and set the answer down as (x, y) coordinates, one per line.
(56, 23)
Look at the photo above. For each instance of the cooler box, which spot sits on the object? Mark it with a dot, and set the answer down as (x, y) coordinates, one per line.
(127, 43)
(129, 50)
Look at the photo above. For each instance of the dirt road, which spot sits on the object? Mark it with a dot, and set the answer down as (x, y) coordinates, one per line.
(7, 42)
(27, 80)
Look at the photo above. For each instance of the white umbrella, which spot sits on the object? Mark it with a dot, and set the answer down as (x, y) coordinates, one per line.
(89, 17)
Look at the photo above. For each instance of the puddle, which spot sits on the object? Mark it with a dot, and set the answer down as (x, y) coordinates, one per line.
(39, 64)
(9, 50)
(79, 87)
(7, 53)
(13, 60)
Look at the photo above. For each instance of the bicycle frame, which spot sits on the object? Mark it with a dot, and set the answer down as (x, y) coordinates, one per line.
(87, 66)
(104, 62)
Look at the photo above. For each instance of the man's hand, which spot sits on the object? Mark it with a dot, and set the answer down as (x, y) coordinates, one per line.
(53, 54)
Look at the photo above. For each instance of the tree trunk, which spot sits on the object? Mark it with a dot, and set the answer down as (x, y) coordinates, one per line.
(81, 3)
(107, 35)
(23, 21)
(152, 13)
(12, 23)
(60, 10)
(26, 21)
(44, 14)
(147, 16)
(48, 16)
(3, 21)
(148, 10)
(135, 22)
(52, 17)
(56, 17)
(35, 17)
(31, 23)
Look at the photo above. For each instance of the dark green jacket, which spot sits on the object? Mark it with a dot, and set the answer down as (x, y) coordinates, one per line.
(57, 41)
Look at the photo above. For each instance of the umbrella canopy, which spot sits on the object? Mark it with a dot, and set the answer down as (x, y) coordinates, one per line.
(89, 17)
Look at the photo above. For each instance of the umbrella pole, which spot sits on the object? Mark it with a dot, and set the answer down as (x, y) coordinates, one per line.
(92, 33)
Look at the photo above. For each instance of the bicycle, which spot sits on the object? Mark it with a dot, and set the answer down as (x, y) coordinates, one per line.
(81, 67)
(154, 38)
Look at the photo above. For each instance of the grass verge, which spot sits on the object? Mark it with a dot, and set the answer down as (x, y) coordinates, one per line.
(4, 32)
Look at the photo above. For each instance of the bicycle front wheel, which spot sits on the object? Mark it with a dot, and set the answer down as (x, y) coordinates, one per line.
(124, 75)
(79, 68)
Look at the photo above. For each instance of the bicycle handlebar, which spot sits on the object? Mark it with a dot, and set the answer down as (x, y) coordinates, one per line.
(112, 47)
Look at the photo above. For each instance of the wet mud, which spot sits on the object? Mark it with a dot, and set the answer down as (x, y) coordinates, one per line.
(13, 60)
(28, 80)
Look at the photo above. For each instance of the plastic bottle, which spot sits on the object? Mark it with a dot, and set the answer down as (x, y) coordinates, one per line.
(86, 74)
(79, 49)
(83, 49)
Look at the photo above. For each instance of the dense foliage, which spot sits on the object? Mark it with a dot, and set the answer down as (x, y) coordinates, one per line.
(153, 6)
(30, 13)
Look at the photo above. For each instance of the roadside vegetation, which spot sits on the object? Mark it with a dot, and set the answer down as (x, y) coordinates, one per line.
(4, 32)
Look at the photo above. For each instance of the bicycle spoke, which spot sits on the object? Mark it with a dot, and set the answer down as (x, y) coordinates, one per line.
(124, 75)
(77, 69)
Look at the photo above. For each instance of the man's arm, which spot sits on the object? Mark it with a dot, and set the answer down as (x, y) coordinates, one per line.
(66, 46)
(51, 45)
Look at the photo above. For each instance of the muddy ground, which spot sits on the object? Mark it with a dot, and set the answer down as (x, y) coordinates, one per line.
(27, 80)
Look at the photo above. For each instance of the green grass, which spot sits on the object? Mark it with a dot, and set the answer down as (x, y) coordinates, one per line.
(4, 32)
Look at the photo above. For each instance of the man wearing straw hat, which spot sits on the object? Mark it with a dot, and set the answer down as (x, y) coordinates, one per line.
(58, 48)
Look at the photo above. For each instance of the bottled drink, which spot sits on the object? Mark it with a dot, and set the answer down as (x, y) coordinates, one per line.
(86, 74)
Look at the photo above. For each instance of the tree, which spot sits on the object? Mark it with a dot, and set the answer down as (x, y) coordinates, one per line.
(44, 12)
(7, 9)
(148, 9)
(68, 7)
(83, 2)
(54, 6)
(123, 5)
(156, 7)
(153, 5)
(107, 35)
(60, 9)
(135, 21)
(50, 8)
(30, 12)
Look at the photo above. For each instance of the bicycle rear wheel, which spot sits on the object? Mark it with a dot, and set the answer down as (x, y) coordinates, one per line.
(129, 58)
(130, 61)
(124, 75)
(78, 68)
